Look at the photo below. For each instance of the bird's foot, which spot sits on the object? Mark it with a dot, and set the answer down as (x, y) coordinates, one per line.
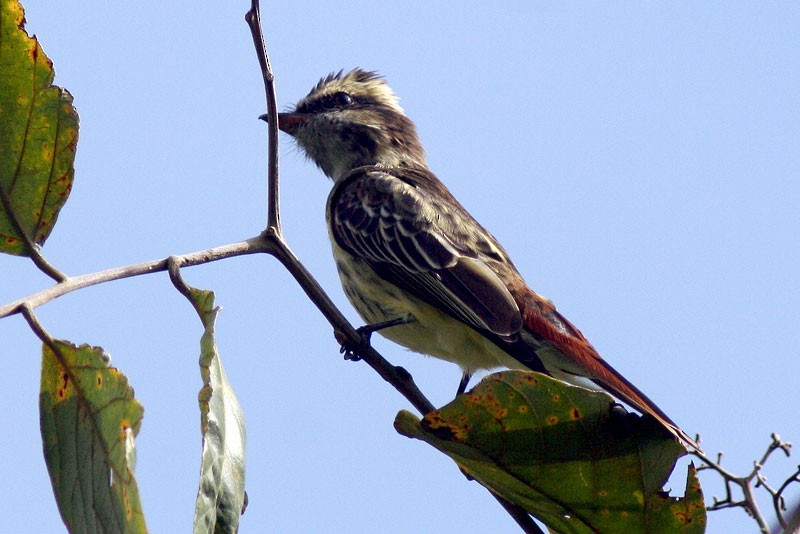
(353, 351)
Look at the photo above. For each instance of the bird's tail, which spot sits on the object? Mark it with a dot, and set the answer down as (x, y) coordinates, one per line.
(546, 327)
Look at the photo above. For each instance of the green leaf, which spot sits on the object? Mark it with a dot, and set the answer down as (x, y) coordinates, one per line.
(221, 497)
(555, 450)
(89, 420)
(38, 137)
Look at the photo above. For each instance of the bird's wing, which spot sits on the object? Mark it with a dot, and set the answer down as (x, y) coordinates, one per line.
(417, 236)
(417, 241)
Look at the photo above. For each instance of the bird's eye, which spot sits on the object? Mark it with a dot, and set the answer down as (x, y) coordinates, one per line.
(328, 102)
(342, 99)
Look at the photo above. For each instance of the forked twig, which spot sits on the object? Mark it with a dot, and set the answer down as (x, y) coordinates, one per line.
(748, 483)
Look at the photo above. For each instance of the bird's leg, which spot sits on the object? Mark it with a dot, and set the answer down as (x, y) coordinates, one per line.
(462, 386)
(353, 353)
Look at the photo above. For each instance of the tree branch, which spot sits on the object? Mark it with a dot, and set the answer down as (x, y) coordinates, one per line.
(344, 332)
(251, 246)
(745, 483)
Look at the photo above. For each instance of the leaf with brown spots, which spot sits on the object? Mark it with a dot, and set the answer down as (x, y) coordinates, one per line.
(561, 453)
(89, 420)
(38, 137)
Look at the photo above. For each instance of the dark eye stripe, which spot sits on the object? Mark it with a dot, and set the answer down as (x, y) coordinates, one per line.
(338, 100)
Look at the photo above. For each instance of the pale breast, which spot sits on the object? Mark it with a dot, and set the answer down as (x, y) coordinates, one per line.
(431, 331)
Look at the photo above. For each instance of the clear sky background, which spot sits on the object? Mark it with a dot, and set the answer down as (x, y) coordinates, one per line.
(639, 162)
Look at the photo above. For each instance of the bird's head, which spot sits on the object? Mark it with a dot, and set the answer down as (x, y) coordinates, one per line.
(353, 119)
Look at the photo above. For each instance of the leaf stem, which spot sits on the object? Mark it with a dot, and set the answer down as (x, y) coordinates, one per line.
(33, 250)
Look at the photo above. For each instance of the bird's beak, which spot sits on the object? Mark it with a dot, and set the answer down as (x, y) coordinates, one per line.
(288, 122)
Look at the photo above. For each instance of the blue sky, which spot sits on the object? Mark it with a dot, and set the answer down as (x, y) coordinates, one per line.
(639, 163)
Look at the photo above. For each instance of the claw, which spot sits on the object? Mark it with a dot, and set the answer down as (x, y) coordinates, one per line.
(353, 352)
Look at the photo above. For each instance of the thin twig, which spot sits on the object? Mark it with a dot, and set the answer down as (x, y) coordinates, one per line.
(793, 521)
(748, 503)
(250, 246)
(27, 312)
(253, 18)
(779, 501)
(345, 333)
(745, 483)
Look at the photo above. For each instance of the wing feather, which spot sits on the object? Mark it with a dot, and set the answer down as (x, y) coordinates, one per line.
(420, 243)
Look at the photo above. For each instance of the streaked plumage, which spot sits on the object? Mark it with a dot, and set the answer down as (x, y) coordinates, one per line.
(405, 247)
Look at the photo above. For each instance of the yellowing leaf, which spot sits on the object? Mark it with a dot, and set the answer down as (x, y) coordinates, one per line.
(89, 419)
(557, 451)
(38, 137)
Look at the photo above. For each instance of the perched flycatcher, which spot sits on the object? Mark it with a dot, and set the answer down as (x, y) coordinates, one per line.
(408, 252)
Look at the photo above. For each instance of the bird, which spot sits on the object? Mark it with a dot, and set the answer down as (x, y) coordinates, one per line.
(416, 265)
